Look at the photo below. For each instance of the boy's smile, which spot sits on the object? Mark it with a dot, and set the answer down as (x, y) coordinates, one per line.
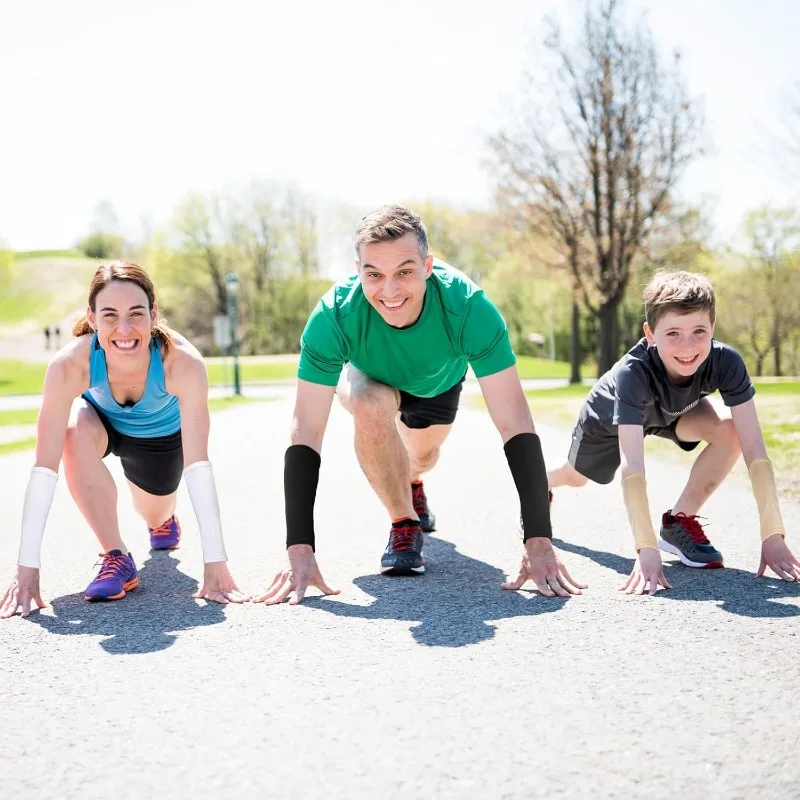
(683, 341)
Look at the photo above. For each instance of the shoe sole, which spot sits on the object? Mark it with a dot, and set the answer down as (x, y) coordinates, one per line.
(170, 547)
(405, 570)
(126, 587)
(676, 551)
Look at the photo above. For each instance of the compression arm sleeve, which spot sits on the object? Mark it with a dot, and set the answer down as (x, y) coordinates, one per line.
(203, 493)
(634, 491)
(36, 507)
(300, 480)
(524, 456)
(762, 479)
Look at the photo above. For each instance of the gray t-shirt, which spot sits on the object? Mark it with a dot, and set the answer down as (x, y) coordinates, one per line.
(637, 390)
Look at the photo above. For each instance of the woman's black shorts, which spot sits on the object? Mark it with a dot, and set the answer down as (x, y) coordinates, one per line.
(154, 465)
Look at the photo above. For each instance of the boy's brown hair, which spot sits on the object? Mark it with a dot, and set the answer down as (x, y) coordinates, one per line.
(679, 291)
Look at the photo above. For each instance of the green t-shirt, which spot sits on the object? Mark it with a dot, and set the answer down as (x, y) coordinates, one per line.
(459, 325)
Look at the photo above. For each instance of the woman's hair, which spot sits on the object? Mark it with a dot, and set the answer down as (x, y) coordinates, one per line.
(124, 271)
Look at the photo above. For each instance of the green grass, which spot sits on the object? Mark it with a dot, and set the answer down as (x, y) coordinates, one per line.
(219, 374)
(22, 254)
(21, 444)
(21, 377)
(19, 306)
(530, 367)
(27, 416)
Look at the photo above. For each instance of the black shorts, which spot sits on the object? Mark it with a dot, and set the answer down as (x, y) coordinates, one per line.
(594, 452)
(155, 465)
(422, 412)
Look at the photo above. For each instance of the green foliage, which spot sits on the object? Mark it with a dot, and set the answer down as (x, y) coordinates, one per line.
(102, 246)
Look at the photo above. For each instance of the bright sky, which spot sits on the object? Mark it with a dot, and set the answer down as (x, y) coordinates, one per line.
(358, 100)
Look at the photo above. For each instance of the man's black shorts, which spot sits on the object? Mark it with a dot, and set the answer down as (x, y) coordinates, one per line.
(422, 412)
(594, 452)
(154, 465)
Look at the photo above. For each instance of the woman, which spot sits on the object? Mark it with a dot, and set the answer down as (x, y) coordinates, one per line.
(143, 395)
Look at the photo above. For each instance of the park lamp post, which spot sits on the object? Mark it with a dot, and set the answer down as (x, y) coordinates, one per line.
(232, 290)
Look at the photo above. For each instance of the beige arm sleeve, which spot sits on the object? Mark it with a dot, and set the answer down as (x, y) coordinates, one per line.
(634, 491)
(762, 479)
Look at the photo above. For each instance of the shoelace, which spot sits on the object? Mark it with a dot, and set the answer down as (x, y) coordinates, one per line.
(163, 529)
(418, 497)
(692, 527)
(403, 538)
(110, 565)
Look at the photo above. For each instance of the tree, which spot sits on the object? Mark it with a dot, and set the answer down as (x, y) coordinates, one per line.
(774, 259)
(104, 239)
(598, 175)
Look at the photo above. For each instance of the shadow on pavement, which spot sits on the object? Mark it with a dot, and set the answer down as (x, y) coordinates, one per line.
(452, 603)
(145, 620)
(735, 590)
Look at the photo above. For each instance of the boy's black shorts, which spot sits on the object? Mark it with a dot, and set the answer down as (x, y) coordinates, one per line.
(422, 412)
(155, 465)
(594, 451)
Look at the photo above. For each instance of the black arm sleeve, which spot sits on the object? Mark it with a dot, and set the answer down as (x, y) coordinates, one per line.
(524, 455)
(300, 478)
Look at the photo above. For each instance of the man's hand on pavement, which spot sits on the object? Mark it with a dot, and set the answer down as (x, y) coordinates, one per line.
(541, 564)
(302, 573)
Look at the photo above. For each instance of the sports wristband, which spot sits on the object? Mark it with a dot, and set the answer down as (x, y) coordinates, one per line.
(762, 479)
(634, 492)
(526, 461)
(35, 509)
(300, 479)
(203, 493)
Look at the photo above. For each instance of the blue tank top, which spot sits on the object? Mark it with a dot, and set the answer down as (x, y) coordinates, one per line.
(156, 414)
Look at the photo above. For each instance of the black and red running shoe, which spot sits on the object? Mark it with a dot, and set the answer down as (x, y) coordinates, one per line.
(403, 554)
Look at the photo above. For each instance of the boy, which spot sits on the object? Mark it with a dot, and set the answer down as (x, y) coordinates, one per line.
(659, 388)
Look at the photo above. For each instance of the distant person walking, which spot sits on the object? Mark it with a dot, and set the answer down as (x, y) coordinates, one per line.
(47, 338)
(58, 337)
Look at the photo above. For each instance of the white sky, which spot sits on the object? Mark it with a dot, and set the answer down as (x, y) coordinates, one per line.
(359, 100)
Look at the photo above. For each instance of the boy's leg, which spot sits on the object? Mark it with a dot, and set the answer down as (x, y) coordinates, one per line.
(704, 424)
(565, 475)
(379, 448)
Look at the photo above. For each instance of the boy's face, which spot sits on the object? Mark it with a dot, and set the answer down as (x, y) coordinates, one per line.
(683, 341)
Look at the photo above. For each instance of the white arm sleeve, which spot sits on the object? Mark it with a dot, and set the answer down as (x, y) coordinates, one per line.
(203, 493)
(38, 499)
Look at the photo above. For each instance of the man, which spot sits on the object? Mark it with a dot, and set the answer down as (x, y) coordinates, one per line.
(397, 337)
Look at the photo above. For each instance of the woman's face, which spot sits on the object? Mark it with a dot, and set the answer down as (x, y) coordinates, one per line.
(123, 319)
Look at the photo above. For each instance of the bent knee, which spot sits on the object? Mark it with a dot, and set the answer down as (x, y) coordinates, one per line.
(83, 435)
(427, 460)
(372, 402)
(577, 480)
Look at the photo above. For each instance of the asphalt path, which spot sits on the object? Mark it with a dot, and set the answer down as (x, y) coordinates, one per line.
(437, 686)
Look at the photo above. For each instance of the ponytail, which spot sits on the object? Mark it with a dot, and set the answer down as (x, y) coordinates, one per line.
(82, 327)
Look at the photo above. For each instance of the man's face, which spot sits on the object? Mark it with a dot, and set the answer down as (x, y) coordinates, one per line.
(122, 320)
(683, 341)
(393, 276)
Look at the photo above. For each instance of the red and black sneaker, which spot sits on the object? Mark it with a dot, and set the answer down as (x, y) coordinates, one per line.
(403, 554)
(427, 520)
(683, 536)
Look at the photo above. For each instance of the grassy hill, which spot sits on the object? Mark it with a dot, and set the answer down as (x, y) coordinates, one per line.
(46, 287)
